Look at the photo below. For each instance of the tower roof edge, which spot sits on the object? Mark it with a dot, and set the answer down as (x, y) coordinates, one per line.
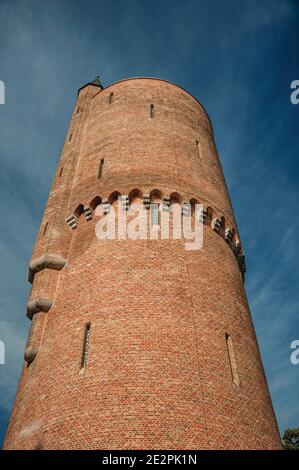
(95, 82)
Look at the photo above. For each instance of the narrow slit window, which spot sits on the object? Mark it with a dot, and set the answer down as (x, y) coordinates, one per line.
(152, 111)
(70, 137)
(60, 172)
(155, 215)
(110, 98)
(85, 348)
(101, 167)
(78, 110)
(232, 359)
(45, 228)
(198, 148)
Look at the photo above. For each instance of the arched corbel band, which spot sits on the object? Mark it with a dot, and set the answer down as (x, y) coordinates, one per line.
(208, 215)
(46, 261)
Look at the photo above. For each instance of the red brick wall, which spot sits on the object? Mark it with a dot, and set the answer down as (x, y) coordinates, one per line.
(158, 373)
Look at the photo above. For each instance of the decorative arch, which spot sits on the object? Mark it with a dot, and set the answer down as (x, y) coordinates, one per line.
(175, 198)
(95, 202)
(222, 227)
(114, 197)
(156, 195)
(193, 201)
(210, 215)
(79, 211)
(135, 194)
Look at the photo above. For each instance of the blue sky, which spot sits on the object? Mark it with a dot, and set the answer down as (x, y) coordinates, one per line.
(238, 59)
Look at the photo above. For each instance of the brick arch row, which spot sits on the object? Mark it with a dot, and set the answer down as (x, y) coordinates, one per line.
(209, 216)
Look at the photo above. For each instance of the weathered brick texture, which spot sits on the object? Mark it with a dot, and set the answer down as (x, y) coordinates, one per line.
(158, 371)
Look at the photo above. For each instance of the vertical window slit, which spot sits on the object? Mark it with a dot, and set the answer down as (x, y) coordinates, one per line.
(110, 98)
(155, 215)
(232, 359)
(152, 111)
(100, 170)
(61, 170)
(85, 348)
(198, 148)
(70, 138)
(45, 228)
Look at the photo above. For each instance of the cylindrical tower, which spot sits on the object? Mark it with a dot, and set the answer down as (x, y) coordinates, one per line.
(139, 343)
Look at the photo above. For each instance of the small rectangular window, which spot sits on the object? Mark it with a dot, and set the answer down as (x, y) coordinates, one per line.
(155, 215)
(232, 359)
(110, 98)
(101, 166)
(60, 172)
(70, 138)
(85, 347)
(152, 111)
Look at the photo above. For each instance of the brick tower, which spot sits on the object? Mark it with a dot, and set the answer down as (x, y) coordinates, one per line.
(139, 344)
